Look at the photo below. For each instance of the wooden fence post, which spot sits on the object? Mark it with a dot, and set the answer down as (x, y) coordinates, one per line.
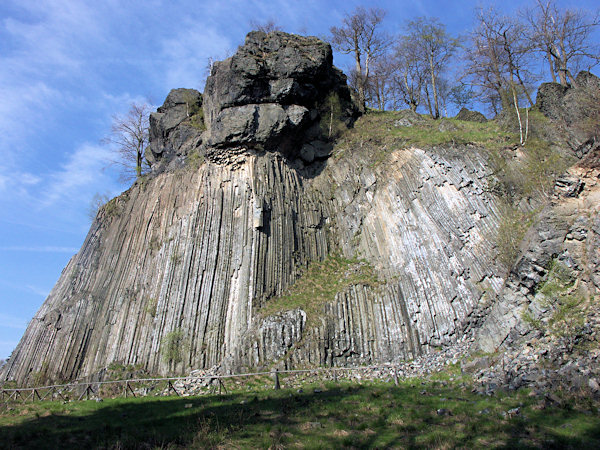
(276, 377)
(222, 386)
(396, 381)
(173, 388)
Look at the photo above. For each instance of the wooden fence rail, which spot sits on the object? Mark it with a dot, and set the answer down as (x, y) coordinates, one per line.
(93, 389)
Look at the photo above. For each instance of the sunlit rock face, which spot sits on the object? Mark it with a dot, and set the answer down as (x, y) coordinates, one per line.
(196, 252)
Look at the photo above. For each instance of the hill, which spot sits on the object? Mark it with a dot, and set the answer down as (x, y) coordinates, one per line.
(279, 229)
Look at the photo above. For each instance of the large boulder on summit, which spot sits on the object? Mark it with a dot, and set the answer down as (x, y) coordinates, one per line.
(271, 93)
(468, 115)
(176, 126)
(571, 108)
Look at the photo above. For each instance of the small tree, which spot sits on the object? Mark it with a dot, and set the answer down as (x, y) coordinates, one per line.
(498, 62)
(97, 202)
(129, 136)
(266, 27)
(436, 47)
(360, 35)
(409, 74)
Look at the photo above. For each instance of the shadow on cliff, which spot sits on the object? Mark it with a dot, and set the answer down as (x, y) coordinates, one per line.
(348, 416)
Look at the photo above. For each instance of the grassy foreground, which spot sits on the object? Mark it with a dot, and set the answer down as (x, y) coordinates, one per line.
(432, 414)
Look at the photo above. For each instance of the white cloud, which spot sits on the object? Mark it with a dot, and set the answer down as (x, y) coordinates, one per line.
(38, 291)
(10, 321)
(39, 249)
(186, 54)
(82, 171)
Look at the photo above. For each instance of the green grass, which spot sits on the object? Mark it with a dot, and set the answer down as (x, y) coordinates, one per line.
(378, 129)
(319, 285)
(339, 415)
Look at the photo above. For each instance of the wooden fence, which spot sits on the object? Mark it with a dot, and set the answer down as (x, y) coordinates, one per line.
(89, 390)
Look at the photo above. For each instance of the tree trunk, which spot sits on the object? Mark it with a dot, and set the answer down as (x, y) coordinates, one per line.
(551, 65)
(138, 167)
(435, 97)
(359, 76)
(428, 98)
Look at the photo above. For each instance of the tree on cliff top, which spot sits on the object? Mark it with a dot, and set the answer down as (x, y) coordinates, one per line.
(129, 135)
(436, 47)
(360, 35)
(564, 37)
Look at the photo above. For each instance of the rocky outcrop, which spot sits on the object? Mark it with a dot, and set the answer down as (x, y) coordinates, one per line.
(566, 233)
(573, 109)
(176, 273)
(273, 94)
(470, 116)
(176, 127)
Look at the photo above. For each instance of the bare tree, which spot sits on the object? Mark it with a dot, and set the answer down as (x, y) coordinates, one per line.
(563, 36)
(497, 62)
(380, 83)
(360, 35)
(410, 70)
(437, 47)
(97, 202)
(266, 27)
(129, 136)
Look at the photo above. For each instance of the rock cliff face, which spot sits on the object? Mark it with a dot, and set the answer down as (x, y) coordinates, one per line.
(243, 196)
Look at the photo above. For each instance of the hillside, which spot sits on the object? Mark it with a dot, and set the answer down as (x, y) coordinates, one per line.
(278, 228)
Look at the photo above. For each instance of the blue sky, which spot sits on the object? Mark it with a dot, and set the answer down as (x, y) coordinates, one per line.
(67, 66)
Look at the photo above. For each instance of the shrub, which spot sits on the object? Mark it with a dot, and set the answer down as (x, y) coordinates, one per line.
(172, 348)
(151, 305)
(194, 160)
(331, 112)
(566, 307)
(514, 223)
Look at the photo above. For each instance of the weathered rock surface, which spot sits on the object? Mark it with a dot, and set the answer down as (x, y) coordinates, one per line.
(566, 232)
(571, 108)
(199, 252)
(471, 116)
(176, 127)
(175, 273)
(271, 93)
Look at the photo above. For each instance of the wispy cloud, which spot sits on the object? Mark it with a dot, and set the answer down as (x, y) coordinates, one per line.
(10, 321)
(38, 291)
(38, 249)
(186, 54)
(82, 170)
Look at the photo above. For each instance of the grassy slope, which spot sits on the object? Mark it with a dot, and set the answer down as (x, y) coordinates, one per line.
(319, 284)
(336, 415)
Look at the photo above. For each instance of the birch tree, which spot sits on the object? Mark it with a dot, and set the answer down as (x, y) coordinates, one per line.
(564, 37)
(361, 36)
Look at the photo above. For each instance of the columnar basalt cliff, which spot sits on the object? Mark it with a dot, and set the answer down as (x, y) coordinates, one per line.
(246, 191)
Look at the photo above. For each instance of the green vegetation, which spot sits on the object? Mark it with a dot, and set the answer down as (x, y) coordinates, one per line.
(383, 132)
(330, 112)
(567, 307)
(431, 414)
(40, 377)
(319, 285)
(112, 209)
(172, 348)
(151, 305)
(195, 113)
(514, 223)
(194, 160)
